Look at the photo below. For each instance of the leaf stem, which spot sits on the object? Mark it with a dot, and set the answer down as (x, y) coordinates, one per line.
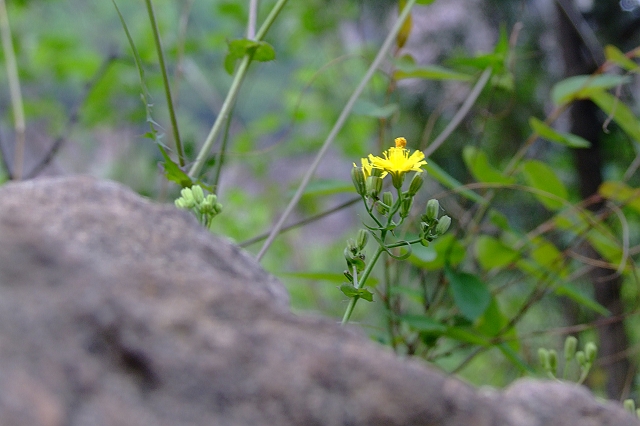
(359, 284)
(165, 80)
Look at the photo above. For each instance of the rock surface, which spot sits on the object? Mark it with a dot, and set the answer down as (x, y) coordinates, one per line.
(115, 311)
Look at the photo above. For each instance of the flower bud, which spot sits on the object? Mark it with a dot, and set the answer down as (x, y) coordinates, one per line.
(198, 194)
(443, 225)
(374, 185)
(405, 206)
(397, 179)
(180, 203)
(362, 239)
(629, 405)
(570, 346)
(352, 246)
(433, 209)
(581, 358)
(376, 172)
(553, 361)
(387, 198)
(543, 357)
(416, 184)
(217, 208)
(357, 176)
(590, 350)
(187, 196)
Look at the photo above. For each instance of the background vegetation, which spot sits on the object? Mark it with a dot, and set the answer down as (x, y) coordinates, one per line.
(544, 199)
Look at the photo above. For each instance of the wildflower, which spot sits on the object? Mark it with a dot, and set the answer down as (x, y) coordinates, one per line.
(398, 162)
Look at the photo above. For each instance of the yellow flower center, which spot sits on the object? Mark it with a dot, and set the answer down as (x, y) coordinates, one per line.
(397, 160)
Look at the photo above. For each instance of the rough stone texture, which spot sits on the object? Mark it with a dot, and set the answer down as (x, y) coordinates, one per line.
(116, 311)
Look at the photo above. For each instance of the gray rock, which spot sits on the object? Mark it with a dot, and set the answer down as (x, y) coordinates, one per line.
(117, 311)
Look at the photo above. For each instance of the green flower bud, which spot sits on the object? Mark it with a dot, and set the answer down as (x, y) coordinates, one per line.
(443, 225)
(374, 186)
(198, 194)
(348, 275)
(553, 362)
(581, 358)
(376, 172)
(387, 198)
(352, 246)
(629, 405)
(416, 184)
(570, 346)
(424, 242)
(187, 196)
(397, 179)
(591, 350)
(382, 209)
(362, 239)
(543, 357)
(180, 203)
(405, 206)
(433, 209)
(359, 182)
(217, 208)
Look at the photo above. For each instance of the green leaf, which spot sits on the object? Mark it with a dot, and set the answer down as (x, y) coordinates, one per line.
(478, 164)
(369, 109)
(351, 292)
(423, 254)
(448, 249)
(582, 86)
(259, 50)
(424, 1)
(491, 253)
(616, 56)
(621, 113)
(622, 193)
(173, 172)
(470, 294)
(546, 132)
(547, 255)
(569, 291)
(430, 72)
(542, 177)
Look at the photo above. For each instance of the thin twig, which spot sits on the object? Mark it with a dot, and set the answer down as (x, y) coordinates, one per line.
(302, 222)
(73, 118)
(165, 79)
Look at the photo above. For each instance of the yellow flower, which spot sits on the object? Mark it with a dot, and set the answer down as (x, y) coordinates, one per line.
(366, 168)
(397, 160)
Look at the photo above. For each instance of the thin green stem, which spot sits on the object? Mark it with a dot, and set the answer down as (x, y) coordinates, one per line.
(165, 80)
(223, 115)
(346, 111)
(360, 283)
(14, 92)
(223, 151)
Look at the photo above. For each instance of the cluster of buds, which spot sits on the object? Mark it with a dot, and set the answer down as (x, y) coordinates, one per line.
(204, 207)
(586, 358)
(432, 226)
(353, 253)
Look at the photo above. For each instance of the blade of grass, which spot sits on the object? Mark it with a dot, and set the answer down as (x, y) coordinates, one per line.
(346, 111)
(14, 92)
(165, 80)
